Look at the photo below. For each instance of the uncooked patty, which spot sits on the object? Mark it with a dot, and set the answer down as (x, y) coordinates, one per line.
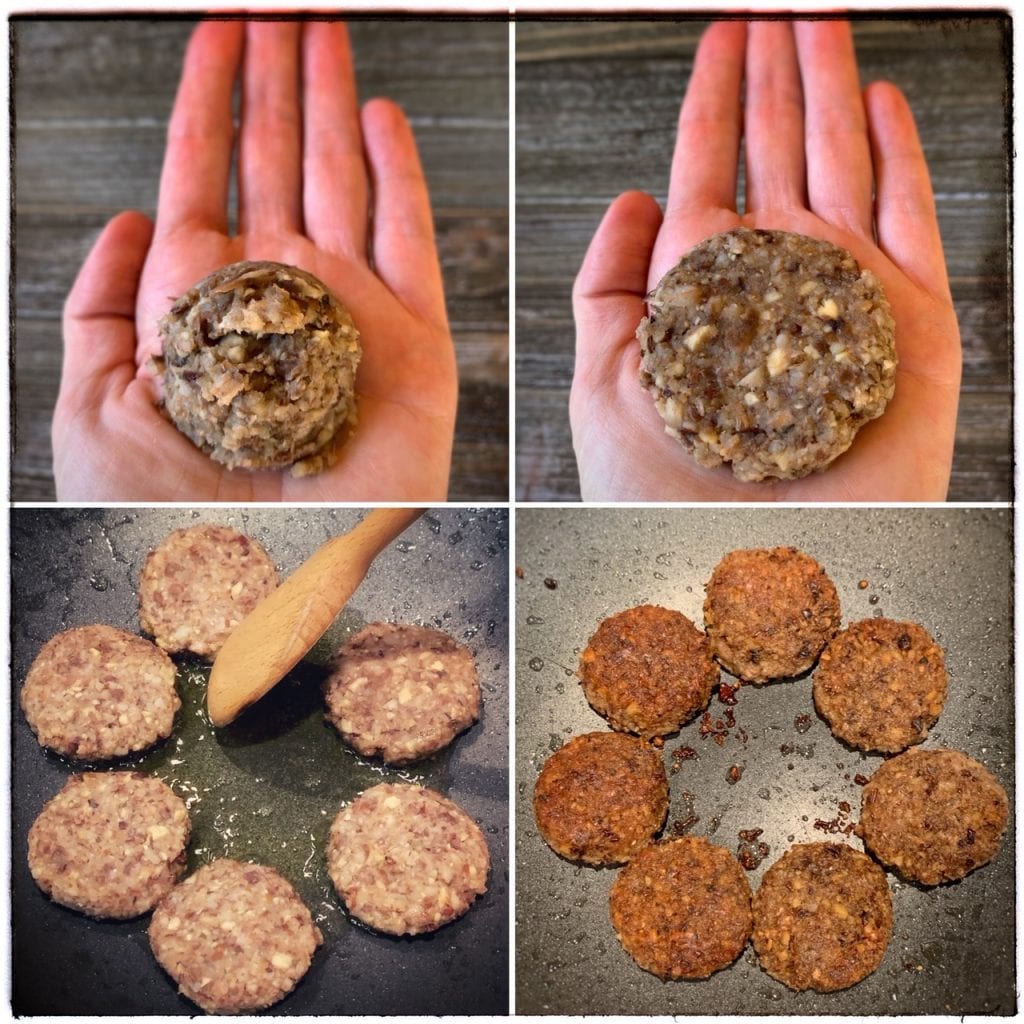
(822, 917)
(235, 937)
(881, 685)
(401, 692)
(769, 612)
(96, 692)
(259, 364)
(198, 585)
(110, 844)
(601, 797)
(768, 351)
(933, 815)
(405, 859)
(681, 908)
(648, 670)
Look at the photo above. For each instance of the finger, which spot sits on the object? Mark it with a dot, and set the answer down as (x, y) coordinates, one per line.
(334, 170)
(908, 227)
(404, 252)
(773, 119)
(270, 141)
(836, 140)
(200, 136)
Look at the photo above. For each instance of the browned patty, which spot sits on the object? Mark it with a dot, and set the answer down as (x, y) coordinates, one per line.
(881, 685)
(198, 585)
(769, 612)
(648, 670)
(822, 917)
(933, 815)
(681, 908)
(601, 798)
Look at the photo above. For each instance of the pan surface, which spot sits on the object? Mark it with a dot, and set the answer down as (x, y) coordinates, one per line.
(267, 787)
(952, 948)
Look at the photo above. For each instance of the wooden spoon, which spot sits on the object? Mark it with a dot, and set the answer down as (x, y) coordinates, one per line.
(283, 627)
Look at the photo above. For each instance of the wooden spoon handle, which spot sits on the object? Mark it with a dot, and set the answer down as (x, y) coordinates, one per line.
(283, 627)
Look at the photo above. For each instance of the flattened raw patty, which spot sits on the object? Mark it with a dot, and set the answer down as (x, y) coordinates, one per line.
(110, 844)
(96, 692)
(681, 908)
(198, 584)
(405, 859)
(767, 351)
(403, 692)
(881, 685)
(933, 815)
(648, 670)
(769, 612)
(601, 798)
(235, 937)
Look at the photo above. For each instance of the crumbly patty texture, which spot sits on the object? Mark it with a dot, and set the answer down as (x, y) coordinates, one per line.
(648, 670)
(235, 937)
(681, 908)
(405, 859)
(601, 797)
(110, 844)
(881, 685)
(767, 351)
(259, 365)
(402, 692)
(822, 917)
(769, 612)
(933, 815)
(199, 584)
(96, 692)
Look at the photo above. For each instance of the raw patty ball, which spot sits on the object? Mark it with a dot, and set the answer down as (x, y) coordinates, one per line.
(405, 859)
(822, 917)
(681, 908)
(933, 815)
(768, 351)
(235, 937)
(259, 364)
(601, 797)
(198, 584)
(769, 612)
(403, 692)
(110, 844)
(96, 692)
(881, 685)
(648, 670)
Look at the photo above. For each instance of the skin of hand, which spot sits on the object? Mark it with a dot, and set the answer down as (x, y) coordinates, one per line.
(311, 165)
(816, 149)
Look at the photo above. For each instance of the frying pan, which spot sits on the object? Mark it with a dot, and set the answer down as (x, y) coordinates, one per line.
(952, 949)
(267, 787)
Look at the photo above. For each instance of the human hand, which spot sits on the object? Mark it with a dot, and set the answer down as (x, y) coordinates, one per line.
(304, 188)
(816, 148)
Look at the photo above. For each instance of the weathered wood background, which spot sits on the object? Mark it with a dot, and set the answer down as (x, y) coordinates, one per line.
(91, 104)
(596, 106)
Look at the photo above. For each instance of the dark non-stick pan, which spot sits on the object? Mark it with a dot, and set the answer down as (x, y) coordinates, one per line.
(267, 787)
(952, 949)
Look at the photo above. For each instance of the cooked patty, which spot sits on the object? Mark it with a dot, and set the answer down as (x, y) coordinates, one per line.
(933, 815)
(601, 797)
(401, 692)
(110, 844)
(648, 670)
(681, 908)
(822, 917)
(769, 612)
(96, 692)
(405, 859)
(198, 584)
(235, 937)
(881, 685)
